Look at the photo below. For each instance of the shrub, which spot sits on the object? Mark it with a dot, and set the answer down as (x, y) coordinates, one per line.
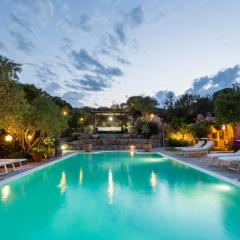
(148, 128)
(178, 142)
(180, 138)
(40, 150)
(200, 130)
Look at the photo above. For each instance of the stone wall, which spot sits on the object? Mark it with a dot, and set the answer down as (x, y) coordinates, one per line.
(113, 142)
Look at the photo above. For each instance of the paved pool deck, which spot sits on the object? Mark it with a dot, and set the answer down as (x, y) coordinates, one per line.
(201, 162)
(204, 163)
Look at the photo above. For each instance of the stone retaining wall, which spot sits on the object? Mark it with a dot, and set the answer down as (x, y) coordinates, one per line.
(113, 144)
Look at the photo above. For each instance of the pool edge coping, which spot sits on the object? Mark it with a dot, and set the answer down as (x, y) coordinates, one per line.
(62, 158)
(200, 169)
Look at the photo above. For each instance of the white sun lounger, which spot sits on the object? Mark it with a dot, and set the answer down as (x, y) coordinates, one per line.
(17, 160)
(197, 145)
(201, 150)
(229, 160)
(5, 162)
(215, 156)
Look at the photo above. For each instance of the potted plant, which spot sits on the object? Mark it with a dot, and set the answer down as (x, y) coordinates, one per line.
(147, 147)
(49, 144)
(38, 153)
(146, 131)
(88, 147)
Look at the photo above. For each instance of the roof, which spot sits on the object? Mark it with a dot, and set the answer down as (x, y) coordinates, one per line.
(110, 112)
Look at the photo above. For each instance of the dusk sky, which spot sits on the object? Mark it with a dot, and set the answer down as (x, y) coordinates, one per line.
(99, 52)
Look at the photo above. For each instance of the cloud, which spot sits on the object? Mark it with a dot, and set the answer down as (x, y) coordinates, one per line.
(68, 24)
(120, 32)
(132, 19)
(113, 41)
(52, 88)
(23, 23)
(75, 98)
(22, 43)
(89, 83)
(67, 44)
(64, 24)
(136, 16)
(85, 23)
(45, 74)
(207, 85)
(28, 16)
(82, 60)
(73, 86)
(31, 14)
(161, 97)
(109, 43)
(123, 61)
(66, 67)
(93, 83)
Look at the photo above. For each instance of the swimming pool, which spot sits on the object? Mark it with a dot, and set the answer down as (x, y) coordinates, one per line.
(118, 195)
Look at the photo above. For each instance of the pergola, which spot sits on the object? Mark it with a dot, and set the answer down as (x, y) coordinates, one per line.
(110, 120)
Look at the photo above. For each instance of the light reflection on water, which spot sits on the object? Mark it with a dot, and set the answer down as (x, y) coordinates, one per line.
(81, 176)
(110, 189)
(63, 183)
(132, 153)
(6, 191)
(153, 181)
(223, 187)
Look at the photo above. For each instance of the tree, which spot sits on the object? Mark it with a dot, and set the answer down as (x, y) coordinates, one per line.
(186, 109)
(170, 100)
(200, 130)
(80, 118)
(141, 105)
(227, 105)
(9, 69)
(13, 108)
(28, 122)
(46, 118)
(31, 92)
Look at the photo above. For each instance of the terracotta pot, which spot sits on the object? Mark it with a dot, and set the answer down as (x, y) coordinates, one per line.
(88, 147)
(37, 157)
(51, 153)
(147, 147)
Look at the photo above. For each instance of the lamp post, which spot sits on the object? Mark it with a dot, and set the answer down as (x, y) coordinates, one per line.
(163, 135)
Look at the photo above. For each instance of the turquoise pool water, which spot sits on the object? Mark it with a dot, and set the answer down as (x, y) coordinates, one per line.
(119, 196)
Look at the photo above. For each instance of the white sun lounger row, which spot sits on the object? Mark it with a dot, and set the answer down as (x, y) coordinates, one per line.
(11, 162)
(198, 150)
(218, 158)
(197, 145)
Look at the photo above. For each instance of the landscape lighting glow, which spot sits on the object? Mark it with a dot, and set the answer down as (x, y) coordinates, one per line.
(8, 138)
